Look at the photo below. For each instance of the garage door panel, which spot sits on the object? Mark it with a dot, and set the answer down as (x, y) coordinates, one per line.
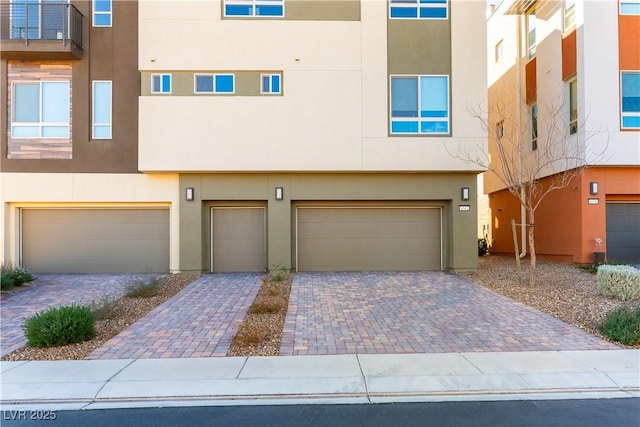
(371, 238)
(623, 232)
(239, 239)
(95, 240)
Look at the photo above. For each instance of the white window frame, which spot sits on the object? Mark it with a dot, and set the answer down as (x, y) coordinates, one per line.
(499, 50)
(39, 124)
(417, 5)
(420, 119)
(573, 122)
(254, 4)
(569, 12)
(533, 108)
(622, 113)
(635, 3)
(531, 47)
(102, 13)
(162, 91)
(94, 123)
(215, 90)
(270, 91)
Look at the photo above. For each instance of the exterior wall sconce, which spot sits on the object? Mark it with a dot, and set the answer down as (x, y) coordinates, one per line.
(464, 193)
(593, 187)
(279, 193)
(190, 194)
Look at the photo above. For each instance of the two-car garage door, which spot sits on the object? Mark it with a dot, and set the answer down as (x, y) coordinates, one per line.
(95, 240)
(369, 238)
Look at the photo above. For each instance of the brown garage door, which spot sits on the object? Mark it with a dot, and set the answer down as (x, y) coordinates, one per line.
(239, 242)
(95, 240)
(368, 239)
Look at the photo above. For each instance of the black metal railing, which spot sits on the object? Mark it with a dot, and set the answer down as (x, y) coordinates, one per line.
(43, 20)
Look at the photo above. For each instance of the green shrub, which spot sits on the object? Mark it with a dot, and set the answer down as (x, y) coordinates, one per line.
(103, 308)
(483, 246)
(619, 281)
(60, 326)
(622, 325)
(11, 276)
(143, 288)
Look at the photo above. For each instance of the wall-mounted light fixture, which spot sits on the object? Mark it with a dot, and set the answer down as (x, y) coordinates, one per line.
(190, 194)
(464, 193)
(593, 187)
(279, 193)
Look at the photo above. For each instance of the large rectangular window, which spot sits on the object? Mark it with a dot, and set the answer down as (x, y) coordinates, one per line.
(630, 7)
(630, 108)
(418, 9)
(102, 110)
(420, 105)
(254, 8)
(102, 13)
(573, 106)
(40, 109)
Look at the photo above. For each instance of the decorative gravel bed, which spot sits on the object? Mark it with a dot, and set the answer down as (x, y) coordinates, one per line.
(565, 291)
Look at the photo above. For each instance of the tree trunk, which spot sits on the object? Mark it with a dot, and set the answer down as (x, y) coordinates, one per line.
(532, 249)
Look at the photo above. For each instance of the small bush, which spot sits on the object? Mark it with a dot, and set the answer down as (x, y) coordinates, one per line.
(103, 308)
(143, 288)
(483, 246)
(622, 325)
(278, 273)
(60, 326)
(266, 307)
(619, 281)
(11, 276)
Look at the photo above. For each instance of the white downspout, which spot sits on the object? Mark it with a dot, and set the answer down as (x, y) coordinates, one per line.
(523, 212)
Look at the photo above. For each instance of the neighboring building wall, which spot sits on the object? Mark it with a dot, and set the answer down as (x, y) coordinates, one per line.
(568, 221)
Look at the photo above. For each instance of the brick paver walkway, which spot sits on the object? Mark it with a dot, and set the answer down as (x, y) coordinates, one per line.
(52, 290)
(199, 321)
(423, 312)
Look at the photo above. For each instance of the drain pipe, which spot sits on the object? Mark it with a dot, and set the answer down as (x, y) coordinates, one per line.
(523, 212)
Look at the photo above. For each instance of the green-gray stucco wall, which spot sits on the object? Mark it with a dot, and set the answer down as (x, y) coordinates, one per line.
(459, 249)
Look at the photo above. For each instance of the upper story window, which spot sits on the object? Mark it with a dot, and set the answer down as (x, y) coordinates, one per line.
(419, 105)
(569, 14)
(161, 83)
(254, 8)
(102, 11)
(499, 50)
(573, 106)
(630, 7)
(270, 83)
(102, 110)
(531, 35)
(418, 9)
(40, 109)
(214, 83)
(630, 85)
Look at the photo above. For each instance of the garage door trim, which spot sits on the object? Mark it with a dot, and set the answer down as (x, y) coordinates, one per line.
(373, 206)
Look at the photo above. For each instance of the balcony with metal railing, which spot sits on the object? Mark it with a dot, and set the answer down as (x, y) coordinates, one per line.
(40, 30)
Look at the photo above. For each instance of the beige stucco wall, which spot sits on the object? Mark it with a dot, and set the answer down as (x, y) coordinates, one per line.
(87, 191)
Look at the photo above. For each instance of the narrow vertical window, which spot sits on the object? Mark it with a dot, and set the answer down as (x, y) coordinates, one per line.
(534, 127)
(531, 35)
(270, 83)
(499, 50)
(569, 14)
(573, 106)
(161, 83)
(102, 110)
(630, 108)
(102, 12)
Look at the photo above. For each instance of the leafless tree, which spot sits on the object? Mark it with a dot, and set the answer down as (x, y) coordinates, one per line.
(522, 153)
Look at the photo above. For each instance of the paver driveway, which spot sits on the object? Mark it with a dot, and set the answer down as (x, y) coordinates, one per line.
(422, 312)
(52, 290)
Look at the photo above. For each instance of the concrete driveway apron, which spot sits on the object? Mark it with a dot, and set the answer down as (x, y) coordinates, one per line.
(52, 290)
(416, 312)
(199, 321)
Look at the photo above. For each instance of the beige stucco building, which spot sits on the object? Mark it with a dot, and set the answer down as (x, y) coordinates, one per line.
(314, 135)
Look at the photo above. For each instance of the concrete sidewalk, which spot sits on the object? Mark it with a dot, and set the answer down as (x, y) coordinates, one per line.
(100, 384)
